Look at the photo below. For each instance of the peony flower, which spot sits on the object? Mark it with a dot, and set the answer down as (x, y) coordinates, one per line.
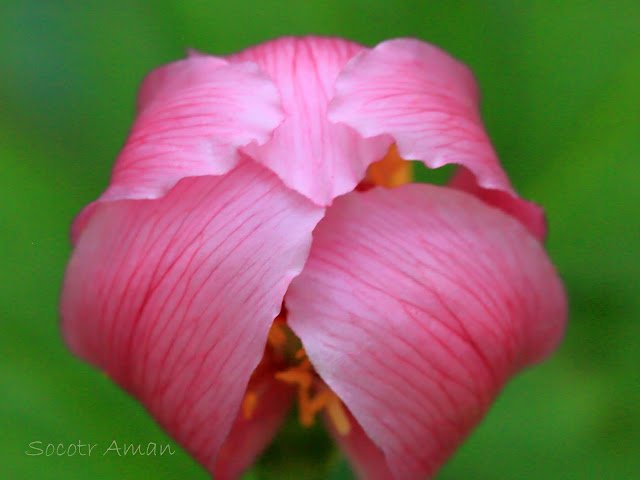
(261, 245)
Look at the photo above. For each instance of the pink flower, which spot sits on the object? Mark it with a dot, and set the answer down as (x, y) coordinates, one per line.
(246, 192)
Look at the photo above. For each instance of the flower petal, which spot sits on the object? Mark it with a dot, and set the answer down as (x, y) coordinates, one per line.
(311, 155)
(193, 115)
(425, 99)
(162, 83)
(174, 297)
(249, 437)
(415, 306)
(366, 459)
(529, 214)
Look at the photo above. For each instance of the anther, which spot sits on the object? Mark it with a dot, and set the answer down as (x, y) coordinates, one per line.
(249, 404)
(391, 171)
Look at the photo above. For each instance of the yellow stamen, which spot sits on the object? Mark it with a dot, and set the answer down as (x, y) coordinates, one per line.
(249, 404)
(391, 171)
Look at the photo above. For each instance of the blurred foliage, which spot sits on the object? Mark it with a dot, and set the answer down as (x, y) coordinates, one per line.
(561, 89)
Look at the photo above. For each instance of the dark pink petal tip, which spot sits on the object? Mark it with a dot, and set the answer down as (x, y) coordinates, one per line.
(250, 436)
(366, 459)
(529, 214)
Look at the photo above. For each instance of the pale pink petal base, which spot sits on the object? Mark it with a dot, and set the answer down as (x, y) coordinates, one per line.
(423, 98)
(415, 305)
(311, 155)
(173, 298)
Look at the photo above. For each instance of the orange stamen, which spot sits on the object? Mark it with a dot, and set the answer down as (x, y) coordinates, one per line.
(391, 171)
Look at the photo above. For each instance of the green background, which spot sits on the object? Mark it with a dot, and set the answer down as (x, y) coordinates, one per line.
(561, 98)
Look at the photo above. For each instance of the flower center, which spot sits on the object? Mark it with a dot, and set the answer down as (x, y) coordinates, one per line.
(295, 369)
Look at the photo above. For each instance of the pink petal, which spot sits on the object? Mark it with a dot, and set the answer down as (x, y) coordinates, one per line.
(193, 115)
(311, 155)
(425, 99)
(174, 297)
(415, 306)
(366, 459)
(249, 437)
(530, 215)
(162, 83)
